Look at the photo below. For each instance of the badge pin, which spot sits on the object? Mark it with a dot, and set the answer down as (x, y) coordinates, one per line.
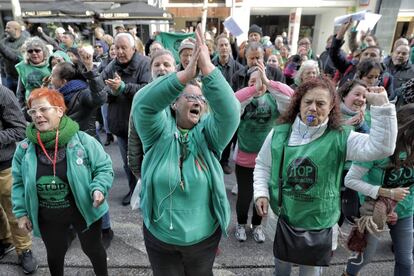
(79, 161)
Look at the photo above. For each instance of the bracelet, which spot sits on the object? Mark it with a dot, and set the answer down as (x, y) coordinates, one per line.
(392, 194)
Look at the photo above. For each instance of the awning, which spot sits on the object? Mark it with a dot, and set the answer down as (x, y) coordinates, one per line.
(61, 11)
(135, 10)
(136, 22)
(54, 19)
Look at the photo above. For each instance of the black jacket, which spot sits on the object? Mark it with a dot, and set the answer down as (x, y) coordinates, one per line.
(401, 73)
(12, 126)
(348, 69)
(136, 74)
(229, 69)
(84, 103)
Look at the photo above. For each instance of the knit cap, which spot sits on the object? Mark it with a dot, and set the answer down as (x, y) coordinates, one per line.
(187, 43)
(255, 29)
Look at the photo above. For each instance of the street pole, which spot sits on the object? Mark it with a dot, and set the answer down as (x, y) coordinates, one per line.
(17, 11)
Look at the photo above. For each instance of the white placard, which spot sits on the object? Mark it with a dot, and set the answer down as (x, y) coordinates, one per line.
(354, 16)
(371, 19)
(232, 26)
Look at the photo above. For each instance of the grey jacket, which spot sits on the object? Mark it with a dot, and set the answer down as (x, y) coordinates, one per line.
(10, 51)
(12, 126)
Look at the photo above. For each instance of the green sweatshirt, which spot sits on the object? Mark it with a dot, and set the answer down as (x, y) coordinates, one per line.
(172, 213)
(89, 168)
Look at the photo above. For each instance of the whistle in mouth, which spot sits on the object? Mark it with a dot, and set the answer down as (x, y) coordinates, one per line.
(310, 119)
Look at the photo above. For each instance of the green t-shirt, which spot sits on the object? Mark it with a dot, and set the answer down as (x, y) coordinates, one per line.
(380, 175)
(52, 194)
(311, 178)
(257, 120)
(32, 76)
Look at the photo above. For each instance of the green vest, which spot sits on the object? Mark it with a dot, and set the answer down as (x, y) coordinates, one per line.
(32, 76)
(257, 120)
(311, 178)
(380, 175)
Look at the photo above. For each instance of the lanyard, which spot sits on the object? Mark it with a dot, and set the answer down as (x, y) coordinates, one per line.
(47, 155)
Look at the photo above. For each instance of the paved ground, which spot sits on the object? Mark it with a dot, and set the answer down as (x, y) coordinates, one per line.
(127, 255)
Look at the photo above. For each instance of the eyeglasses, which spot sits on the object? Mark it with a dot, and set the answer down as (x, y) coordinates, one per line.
(30, 51)
(195, 98)
(43, 109)
(97, 46)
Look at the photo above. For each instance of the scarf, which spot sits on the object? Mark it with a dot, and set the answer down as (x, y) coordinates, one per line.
(71, 87)
(347, 111)
(67, 128)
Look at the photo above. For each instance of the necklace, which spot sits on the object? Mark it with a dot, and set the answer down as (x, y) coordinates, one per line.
(42, 146)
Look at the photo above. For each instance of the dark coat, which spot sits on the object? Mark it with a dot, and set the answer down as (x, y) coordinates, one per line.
(136, 74)
(401, 73)
(12, 126)
(83, 105)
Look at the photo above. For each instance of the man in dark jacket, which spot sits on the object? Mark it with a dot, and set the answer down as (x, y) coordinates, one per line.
(228, 67)
(10, 51)
(399, 66)
(12, 130)
(348, 68)
(325, 63)
(123, 77)
(254, 54)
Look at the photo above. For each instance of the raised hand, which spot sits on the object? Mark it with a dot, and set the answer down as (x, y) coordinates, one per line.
(190, 72)
(344, 28)
(86, 58)
(204, 61)
(377, 96)
(262, 69)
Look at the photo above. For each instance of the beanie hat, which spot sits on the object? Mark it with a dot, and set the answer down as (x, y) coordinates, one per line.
(103, 44)
(187, 43)
(255, 29)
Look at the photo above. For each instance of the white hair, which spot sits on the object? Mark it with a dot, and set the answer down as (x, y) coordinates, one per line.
(310, 63)
(128, 36)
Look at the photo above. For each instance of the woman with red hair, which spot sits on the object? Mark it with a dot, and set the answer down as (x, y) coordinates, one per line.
(61, 177)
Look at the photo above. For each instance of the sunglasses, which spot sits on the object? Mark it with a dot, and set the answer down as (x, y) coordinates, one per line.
(43, 109)
(195, 98)
(30, 51)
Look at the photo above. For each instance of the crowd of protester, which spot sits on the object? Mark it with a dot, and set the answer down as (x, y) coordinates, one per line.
(177, 111)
